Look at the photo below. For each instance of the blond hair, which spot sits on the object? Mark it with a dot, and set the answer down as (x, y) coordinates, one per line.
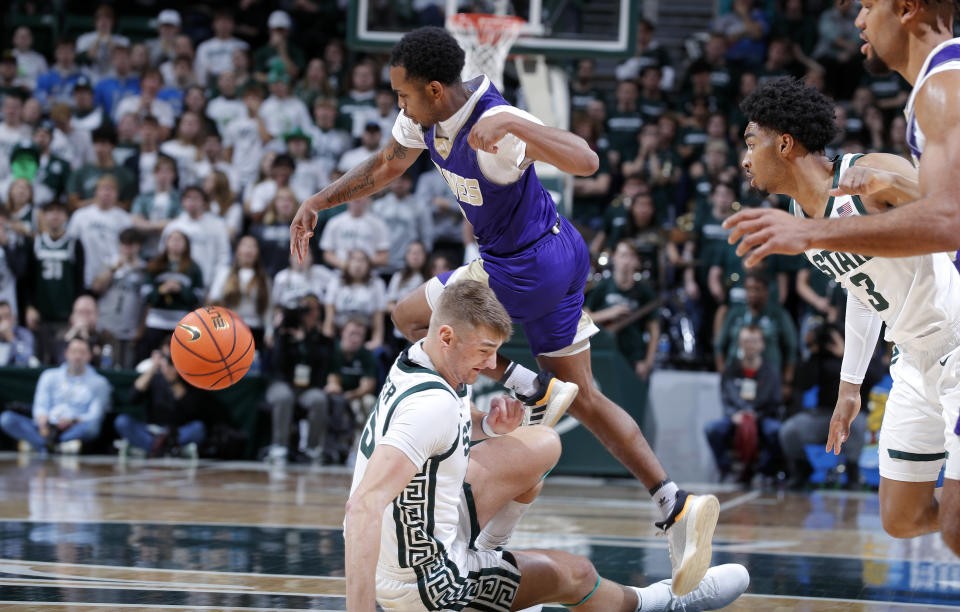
(471, 303)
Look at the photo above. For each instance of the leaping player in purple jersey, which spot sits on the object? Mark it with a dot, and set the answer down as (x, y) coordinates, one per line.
(533, 259)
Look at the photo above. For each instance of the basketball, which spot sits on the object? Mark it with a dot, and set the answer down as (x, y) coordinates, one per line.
(212, 348)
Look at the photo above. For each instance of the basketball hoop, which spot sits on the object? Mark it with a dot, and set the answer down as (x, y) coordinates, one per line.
(486, 40)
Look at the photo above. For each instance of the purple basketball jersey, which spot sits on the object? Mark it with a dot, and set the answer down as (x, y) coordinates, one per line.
(505, 218)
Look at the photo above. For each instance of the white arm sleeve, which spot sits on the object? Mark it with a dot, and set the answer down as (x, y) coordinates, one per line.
(407, 133)
(862, 328)
(508, 163)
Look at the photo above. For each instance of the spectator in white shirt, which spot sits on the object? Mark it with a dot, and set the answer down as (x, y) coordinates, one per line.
(283, 112)
(245, 137)
(310, 175)
(30, 63)
(227, 106)
(327, 141)
(369, 145)
(147, 103)
(161, 48)
(207, 232)
(352, 229)
(86, 115)
(98, 45)
(407, 218)
(185, 147)
(302, 278)
(75, 146)
(12, 128)
(98, 228)
(357, 293)
(215, 55)
(281, 169)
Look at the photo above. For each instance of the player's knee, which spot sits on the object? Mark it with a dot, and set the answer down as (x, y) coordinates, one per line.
(898, 522)
(581, 576)
(549, 447)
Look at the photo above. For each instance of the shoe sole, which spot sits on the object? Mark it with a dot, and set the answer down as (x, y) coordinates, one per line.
(698, 549)
(565, 403)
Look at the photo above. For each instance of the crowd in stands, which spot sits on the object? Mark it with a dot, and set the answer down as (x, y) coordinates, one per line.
(145, 174)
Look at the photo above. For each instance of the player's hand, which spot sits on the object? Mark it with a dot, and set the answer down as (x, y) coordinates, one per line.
(848, 406)
(506, 414)
(860, 180)
(487, 132)
(301, 229)
(765, 231)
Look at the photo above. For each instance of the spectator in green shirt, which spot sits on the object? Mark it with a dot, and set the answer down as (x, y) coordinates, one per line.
(779, 331)
(83, 182)
(351, 385)
(614, 304)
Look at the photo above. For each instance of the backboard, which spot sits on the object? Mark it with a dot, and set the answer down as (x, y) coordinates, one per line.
(555, 28)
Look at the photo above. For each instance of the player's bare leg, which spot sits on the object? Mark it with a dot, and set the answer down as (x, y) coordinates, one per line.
(908, 509)
(689, 519)
(950, 514)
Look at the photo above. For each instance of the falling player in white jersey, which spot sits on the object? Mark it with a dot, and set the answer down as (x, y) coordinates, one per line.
(918, 298)
(428, 514)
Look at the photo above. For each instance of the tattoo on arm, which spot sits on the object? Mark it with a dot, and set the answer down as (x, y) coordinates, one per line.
(355, 182)
(398, 152)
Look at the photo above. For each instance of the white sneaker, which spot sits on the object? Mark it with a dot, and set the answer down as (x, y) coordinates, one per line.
(190, 451)
(720, 587)
(551, 401)
(24, 447)
(690, 535)
(276, 454)
(71, 447)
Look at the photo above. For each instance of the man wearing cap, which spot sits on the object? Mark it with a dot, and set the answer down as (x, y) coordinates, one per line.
(86, 115)
(279, 46)
(30, 64)
(110, 90)
(369, 144)
(283, 112)
(215, 55)
(161, 48)
(56, 85)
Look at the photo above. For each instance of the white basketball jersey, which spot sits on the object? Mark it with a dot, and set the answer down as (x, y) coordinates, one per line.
(917, 297)
(420, 414)
(945, 56)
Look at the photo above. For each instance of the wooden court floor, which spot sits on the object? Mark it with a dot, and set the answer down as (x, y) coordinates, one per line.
(94, 534)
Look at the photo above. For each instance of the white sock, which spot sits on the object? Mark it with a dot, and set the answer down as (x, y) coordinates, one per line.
(665, 496)
(498, 529)
(653, 598)
(519, 379)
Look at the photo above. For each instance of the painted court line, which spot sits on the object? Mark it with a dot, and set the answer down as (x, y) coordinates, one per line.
(174, 571)
(739, 500)
(133, 587)
(70, 604)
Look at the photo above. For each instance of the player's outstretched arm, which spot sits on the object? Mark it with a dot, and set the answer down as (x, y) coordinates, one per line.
(369, 177)
(928, 225)
(388, 472)
(560, 148)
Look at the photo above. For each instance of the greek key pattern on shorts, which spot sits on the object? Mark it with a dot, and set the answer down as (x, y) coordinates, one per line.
(443, 588)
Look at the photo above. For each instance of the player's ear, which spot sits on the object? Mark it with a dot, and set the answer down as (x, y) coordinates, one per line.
(785, 144)
(907, 10)
(434, 89)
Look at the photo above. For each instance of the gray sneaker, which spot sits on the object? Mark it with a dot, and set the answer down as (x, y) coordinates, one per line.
(690, 536)
(551, 401)
(720, 587)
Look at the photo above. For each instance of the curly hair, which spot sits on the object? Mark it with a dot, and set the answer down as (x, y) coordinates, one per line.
(787, 106)
(429, 54)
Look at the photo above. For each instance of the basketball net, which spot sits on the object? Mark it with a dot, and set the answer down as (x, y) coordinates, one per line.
(486, 41)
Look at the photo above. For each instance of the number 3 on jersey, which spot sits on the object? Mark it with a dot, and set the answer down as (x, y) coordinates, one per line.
(876, 300)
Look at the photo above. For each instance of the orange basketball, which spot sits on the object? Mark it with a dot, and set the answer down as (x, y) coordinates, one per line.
(212, 347)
